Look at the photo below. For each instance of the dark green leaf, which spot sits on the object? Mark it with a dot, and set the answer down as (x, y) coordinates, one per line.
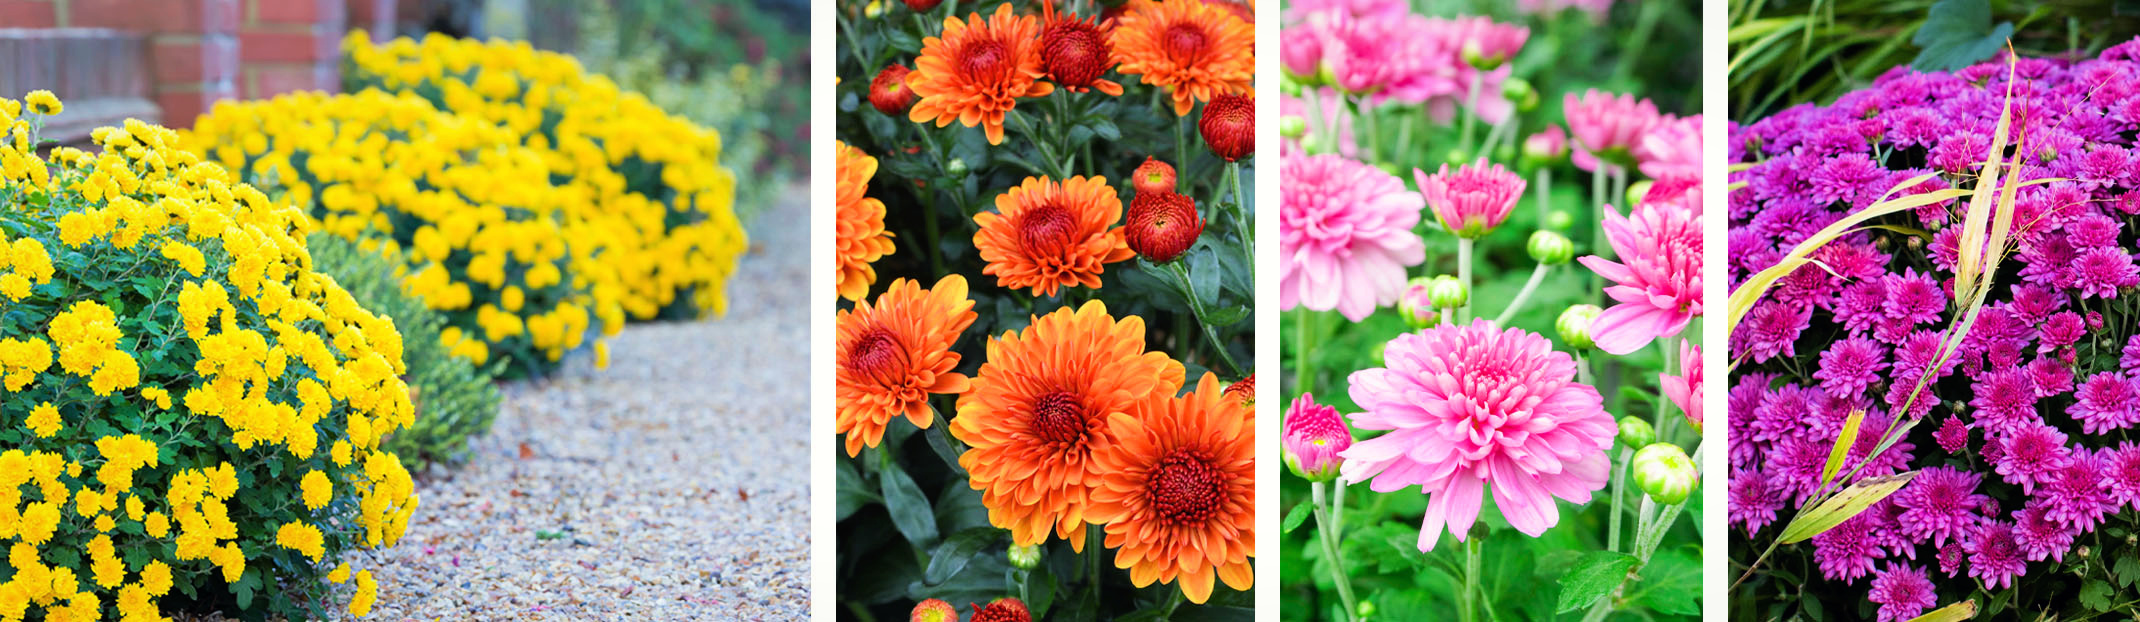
(853, 493)
(910, 510)
(2127, 570)
(1671, 583)
(956, 551)
(1592, 577)
(1299, 515)
(1957, 34)
(2096, 595)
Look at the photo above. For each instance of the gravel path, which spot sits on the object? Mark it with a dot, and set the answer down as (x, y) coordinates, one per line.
(673, 485)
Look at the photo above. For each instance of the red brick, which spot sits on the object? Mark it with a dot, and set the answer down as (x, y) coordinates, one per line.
(156, 16)
(181, 107)
(324, 12)
(27, 14)
(288, 47)
(194, 60)
(376, 16)
(269, 81)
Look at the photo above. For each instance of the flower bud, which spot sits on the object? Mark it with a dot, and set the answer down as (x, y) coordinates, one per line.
(1665, 473)
(1414, 305)
(1559, 220)
(1548, 146)
(1445, 292)
(1366, 609)
(1639, 189)
(1574, 325)
(1636, 433)
(956, 168)
(1550, 248)
(1005, 609)
(889, 92)
(1314, 434)
(1025, 557)
(874, 9)
(1243, 391)
(1292, 127)
(1162, 225)
(1228, 125)
(1518, 91)
(933, 610)
(1457, 156)
(923, 6)
(1153, 176)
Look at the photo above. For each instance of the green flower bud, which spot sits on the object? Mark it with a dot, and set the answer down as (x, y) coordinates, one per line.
(1559, 220)
(874, 9)
(1380, 347)
(1447, 293)
(1366, 609)
(1458, 157)
(1550, 248)
(1665, 473)
(1025, 557)
(1636, 433)
(1416, 306)
(1637, 190)
(1574, 325)
(1518, 91)
(1292, 127)
(956, 168)
(1505, 152)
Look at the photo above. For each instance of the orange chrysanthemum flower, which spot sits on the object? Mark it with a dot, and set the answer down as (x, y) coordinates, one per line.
(895, 353)
(1177, 490)
(861, 223)
(977, 70)
(1192, 49)
(1045, 235)
(1038, 412)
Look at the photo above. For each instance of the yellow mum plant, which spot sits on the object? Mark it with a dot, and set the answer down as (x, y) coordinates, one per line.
(189, 407)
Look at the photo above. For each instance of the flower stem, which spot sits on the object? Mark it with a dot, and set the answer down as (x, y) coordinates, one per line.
(1047, 152)
(1597, 239)
(1095, 548)
(1463, 274)
(1196, 306)
(1303, 368)
(1619, 489)
(1538, 275)
(1473, 605)
(1317, 124)
(1664, 403)
(929, 227)
(1181, 144)
(1471, 108)
(1374, 138)
(1327, 531)
(1545, 182)
(1240, 213)
(1173, 601)
(1582, 370)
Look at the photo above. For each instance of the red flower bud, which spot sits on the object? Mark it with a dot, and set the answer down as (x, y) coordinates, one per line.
(923, 6)
(889, 92)
(1076, 52)
(1162, 225)
(1153, 177)
(934, 610)
(1229, 126)
(1245, 391)
(1005, 609)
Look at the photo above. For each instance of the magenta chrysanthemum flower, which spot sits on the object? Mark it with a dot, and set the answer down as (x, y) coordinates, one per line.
(1314, 434)
(2078, 495)
(2005, 398)
(2107, 401)
(1952, 435)
(1472, 406)
(1487, 43)
(2099, 272)
(1607, 125)
(1846, 552)
(1851, 365)
(1657, 280)
(1754, 502)
(1903, 591)
(2124, 474)
(1472, 200)
(1940, 503)
(1345, 236)
(2060, 330)
(2039, 536)
(2029, 453)
(1673, 148)
(2050, 376)
(1950, 557)
(2129, 358)
(1685, 389)
(1994, 556)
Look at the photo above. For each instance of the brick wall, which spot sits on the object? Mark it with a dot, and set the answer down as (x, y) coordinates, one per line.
(201, 51)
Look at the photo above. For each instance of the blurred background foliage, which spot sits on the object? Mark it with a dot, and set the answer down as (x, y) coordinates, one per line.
(1785, 52)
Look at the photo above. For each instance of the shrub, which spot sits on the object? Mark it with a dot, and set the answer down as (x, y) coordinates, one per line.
(454, 397)
(520, 266)
(656, 180)
(190, 407)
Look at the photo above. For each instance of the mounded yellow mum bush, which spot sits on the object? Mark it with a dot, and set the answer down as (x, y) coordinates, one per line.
(189, 407)
(522, 268)
(658, 176)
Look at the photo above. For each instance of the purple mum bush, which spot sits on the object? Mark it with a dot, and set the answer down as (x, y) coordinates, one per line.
(2020, 438)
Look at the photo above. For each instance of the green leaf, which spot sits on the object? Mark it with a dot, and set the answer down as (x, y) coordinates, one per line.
(2096, 595)
(1671, 583)
(952, 556)
(244, 588)
(910, 509)
(1951, 613)
(1842, 507)
(1957, 34)
(1842, 447)
(1592, 577)
(1299, 515)
(2127, 570)
(852, 493)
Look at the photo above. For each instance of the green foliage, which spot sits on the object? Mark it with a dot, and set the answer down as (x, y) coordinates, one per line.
(454, 398)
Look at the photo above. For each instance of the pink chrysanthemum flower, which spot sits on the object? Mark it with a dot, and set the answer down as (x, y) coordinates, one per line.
(2107, 401)
(1657, 280)
(1847, 552)
(1685, 389)
(1994, 556)
(1345, 236)
(1903, 592)
(1754, 501)
(1851, 365)
(1487, 43)
(1313, 437)
(1672, 149)
(1469, 406)
(1607, 126)
(2029, 454)
(1302, 10)
(1941, 503)
(2078, 495)
(1952, 435)
(2039, 536)
(2124, 474)
(1472, 200)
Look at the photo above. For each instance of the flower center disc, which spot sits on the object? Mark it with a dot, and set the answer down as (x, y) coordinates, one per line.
(1184, 42)
(1072, 53)
(983, 59)
(1185, 489)
(1044, 230)
(878, 355)
(1058, 418)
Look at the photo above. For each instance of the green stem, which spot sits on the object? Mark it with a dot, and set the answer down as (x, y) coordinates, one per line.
(1538, 275)
(1047, 152)
(1582, 370)
(1196, 306)
(1173, 601)
(1597, 240)
(1463, 275)
(1473, 604)
(929, 228)
(1367, 115)
(1664, 404)
(1544, 183)
(1471, 108)
(1095, 548)
(1619, 489)
(1303, 366)
(1240, 214)
(852, 39)
(1327, 531)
